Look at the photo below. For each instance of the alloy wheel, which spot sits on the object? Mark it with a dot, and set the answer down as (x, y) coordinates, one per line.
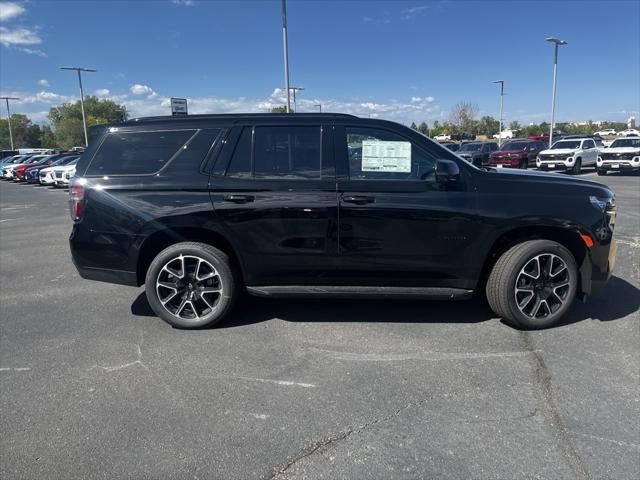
(542, 286)
(189, 287)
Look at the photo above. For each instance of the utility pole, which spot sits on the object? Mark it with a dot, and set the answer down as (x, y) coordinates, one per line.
(6, 99)
(501, 82)
(557, 43)
(319, 105)
(84, 118)
(285, 43)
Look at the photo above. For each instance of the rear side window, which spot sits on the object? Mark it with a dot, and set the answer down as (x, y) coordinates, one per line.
(137, 153)
(287, 152)
(240, 165)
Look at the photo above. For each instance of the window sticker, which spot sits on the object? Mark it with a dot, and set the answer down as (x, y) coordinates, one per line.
(379, 156)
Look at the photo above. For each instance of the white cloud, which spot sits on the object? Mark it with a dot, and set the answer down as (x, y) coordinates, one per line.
(416, 99)
(44, 82)
(409, 13)
(184, 3)
(9, 10)
(138, 89)
(18, 36)
(102, 92)
(31, 51)
(429, 99)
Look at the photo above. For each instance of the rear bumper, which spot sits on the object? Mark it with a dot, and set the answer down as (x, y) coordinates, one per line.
(121, 277)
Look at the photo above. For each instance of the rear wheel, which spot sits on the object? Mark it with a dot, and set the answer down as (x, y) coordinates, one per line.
(191, 285)
(524, 163)
(601, 172)
(533, 284)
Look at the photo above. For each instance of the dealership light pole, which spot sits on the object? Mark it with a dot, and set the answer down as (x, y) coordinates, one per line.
(319, 105)
(501, 82)
(6, 99)
(84, 119)
(285, 43)
(557, 43)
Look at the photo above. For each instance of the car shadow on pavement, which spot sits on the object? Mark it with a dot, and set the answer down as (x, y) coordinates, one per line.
(616, 301)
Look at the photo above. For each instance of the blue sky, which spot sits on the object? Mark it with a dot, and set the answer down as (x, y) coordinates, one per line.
(400, 60)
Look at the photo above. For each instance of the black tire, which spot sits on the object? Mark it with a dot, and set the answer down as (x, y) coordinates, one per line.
(501, 285)
(524, 164)
(226, 280)
(601, 172)
(577, 167)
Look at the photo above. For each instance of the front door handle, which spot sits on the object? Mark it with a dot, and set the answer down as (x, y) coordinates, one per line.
(239, 198)
(358, 199)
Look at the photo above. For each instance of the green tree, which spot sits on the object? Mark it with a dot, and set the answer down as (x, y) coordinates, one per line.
(66, 119)
(423, 128)
(488, 126)
(515, 125)
(280, 109)
(414, 126)
(26, 134)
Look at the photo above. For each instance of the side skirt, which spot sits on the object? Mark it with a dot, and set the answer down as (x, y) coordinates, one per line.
(293, 291)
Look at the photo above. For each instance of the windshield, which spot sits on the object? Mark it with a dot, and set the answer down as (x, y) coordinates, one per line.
(510, 146)
(21, 159)
(566, 144)
(626, 142)
(470, 147)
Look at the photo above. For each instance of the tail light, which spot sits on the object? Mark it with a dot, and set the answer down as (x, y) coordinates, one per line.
(76, 198)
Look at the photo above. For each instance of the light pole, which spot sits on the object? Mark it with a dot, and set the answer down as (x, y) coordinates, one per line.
(557, 43)
(501, 82)
(285, 44)
(84, 119)
(319, 105)
(6, 99)
(295, 105)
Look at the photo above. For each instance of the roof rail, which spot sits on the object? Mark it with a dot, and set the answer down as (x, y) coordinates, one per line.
(236, 115)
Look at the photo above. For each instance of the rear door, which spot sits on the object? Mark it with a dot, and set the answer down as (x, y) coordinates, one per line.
(398, 226)
(276, 197)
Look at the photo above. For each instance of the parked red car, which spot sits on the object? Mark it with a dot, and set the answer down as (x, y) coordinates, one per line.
(18, 172)
(516, 153)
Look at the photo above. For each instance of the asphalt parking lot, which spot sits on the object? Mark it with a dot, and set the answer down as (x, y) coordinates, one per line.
(94, 386)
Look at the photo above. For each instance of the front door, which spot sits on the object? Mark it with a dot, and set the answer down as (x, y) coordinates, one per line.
(277, 202)
(397, 225)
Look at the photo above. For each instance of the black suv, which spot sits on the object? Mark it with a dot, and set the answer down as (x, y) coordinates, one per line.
(200, 208)
(477, 153)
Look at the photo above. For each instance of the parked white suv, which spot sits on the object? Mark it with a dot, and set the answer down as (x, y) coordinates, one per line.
(569, 155)
(62, 175)
(442, 137)
(623, 155)
(606, 132)
(629, 132)
(505, 134)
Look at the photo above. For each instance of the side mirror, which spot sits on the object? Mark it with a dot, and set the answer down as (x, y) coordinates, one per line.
(447, 171)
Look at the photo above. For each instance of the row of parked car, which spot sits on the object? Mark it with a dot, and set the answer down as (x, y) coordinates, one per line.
(53, 169)
(570, 154)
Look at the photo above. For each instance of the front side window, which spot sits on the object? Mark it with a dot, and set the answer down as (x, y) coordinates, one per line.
(375, 154)
(287, 152)
(137, 153)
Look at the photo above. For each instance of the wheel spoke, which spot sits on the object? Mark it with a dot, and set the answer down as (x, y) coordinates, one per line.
(204, 291)
(526, 300)
(171, 285)
(170, 297)
(537, 265)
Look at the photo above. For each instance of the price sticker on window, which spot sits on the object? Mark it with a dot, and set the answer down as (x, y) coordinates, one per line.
(380, 156)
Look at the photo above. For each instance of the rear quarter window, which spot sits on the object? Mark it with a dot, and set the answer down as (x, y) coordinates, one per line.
(137, 153)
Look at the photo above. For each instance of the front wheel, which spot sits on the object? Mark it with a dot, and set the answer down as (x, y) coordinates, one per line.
(601, 172)
(577, 168)
(191, 285)
(533, 284)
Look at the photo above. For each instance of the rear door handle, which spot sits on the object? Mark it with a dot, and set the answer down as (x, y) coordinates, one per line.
(358, 199)
(239, 198)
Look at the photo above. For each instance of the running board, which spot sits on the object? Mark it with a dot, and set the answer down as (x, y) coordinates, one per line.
(293, 291)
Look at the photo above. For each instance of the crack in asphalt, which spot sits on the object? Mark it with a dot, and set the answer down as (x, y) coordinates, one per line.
(550, 411)
(316, 446)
